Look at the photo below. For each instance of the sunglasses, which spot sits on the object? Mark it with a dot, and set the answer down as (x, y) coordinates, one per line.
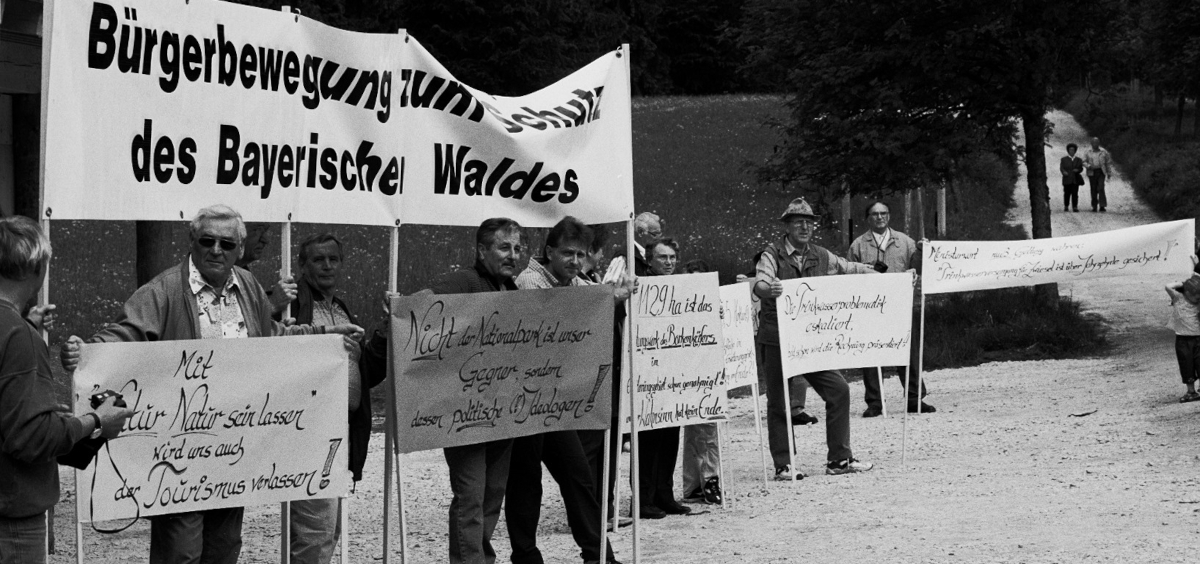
(208, 242)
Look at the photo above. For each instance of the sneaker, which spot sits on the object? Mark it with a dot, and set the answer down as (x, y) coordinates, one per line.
(803, 418)
(695, 496)
(784, 474)
(848, 466)
(712, 491)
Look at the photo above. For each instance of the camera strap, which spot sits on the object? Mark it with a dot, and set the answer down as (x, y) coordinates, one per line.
(92, 497)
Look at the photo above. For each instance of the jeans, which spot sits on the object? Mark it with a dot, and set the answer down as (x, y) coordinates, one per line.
(657, 451)
(829, 385)
(23, 540)
(1187, 351)
(478, 477)
(315, 525)
(701, 455)
(213, 536)
(1096, 183)
(563, 455)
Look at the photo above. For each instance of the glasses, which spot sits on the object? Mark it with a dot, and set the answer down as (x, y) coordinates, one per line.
(879, 214)
(208, 242)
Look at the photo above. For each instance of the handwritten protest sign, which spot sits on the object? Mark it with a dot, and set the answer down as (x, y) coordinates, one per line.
(852, 321)
(678, 358)
(217, 423)
(287, 119)
(472, 368)
(737, 331)
(962, 266)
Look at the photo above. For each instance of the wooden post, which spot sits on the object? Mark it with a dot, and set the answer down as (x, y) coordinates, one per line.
(941, 210)
(847, 236)
(920, 212)
(908, 208)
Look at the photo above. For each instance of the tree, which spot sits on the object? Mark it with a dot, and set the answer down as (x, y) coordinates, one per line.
(883, 94)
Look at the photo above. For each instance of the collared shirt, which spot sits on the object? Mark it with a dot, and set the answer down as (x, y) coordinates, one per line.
(537, 276)
(220, 314)
(882, 239)
(327, 312)
(1098, 160)
(616, 268)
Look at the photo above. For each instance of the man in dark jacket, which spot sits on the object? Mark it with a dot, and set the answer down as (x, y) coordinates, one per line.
(314, 522)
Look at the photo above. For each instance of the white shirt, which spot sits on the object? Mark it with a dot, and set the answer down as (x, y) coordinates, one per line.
(616, 268)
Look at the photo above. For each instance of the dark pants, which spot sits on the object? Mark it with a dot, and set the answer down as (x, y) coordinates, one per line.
(213, 536)
(23, 539)
(829, 385)
(563, 455)
(916, 388)
(593, 449)
(1187, 350)
(478, 476)
(1070, 196)
(1096, 183)
(658, 450)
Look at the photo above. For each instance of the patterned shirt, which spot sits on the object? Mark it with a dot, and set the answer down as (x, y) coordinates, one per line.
(326, 312)
(220, 314)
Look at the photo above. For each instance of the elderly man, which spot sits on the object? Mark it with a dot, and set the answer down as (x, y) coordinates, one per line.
(34, 429)
(203, 297)
(566, 251)
(888, 250)
(794, 256)
(647, 228)
(315, 523)
(1099, 167)
(479, 472)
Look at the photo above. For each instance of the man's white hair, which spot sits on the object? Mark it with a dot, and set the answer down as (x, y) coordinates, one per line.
(641, 223)
(218, 212)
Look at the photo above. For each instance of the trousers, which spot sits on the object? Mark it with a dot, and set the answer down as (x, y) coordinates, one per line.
(1187, 352)
(657, 449)
(1096, 183)
(23, 540)
(478, 477)
(563, 455)
(315, 526)
(701, 455)
(213, 536)
(832, 388)
(593, 449)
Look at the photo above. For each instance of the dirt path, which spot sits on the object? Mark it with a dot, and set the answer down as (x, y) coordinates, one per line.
(1001, 473)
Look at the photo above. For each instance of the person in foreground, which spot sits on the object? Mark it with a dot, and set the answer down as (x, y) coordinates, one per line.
(888, 250)
(1185, 321)
(34, 428)
(794, 256)
(203, 297)
(563, 452)
(316, 523)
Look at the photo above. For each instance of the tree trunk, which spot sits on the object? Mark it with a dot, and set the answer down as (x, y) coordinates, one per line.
(1158, 102)
(1179, 115)
(1033, 122)
(154, 253)
(1196, 118)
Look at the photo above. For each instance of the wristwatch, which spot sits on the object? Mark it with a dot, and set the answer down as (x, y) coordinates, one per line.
(99, 427)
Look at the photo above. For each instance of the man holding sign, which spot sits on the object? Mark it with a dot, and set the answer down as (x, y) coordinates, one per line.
(204, 297)
(795, 257)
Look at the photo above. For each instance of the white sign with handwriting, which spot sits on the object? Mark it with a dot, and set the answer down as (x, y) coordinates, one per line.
(849, 321)
(678, 358)
(472, 368)
(737, 331)
(963, 266)
(217, 423)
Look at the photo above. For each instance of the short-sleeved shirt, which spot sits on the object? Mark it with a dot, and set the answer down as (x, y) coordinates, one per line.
(220, 314)
(1185, 316)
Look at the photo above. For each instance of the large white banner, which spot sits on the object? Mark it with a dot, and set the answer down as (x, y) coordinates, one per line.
(850, 321)
(963, 266)
(160, 107)
(678, 357)
(472, 368)
(737, 332)
(217, 423)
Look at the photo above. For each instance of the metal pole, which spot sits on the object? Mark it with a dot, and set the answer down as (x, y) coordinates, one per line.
(634, 467)
(285, 270)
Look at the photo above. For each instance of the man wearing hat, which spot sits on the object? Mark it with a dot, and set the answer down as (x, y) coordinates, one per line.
(794, 256)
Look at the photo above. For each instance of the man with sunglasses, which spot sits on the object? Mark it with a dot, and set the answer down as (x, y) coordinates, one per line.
(794, 256)
(888, 250)
(204, 297)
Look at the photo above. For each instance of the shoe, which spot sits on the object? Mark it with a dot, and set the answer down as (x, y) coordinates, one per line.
(695, 496)
(712, 491)
(1065, 210)
(848, 466)
(1076, 209)
(873, 412)
(803, 418)
(1190, 397)
(621, 522)
(1093, 208)
(784, 474)
(925, 408)
(651, 512)
(672, 507)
